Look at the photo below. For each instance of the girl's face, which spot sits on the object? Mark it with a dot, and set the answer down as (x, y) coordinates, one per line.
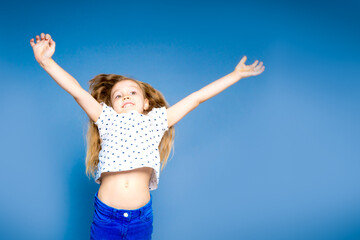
(126, 95)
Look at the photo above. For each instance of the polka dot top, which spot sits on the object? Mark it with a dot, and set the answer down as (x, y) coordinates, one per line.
(130, 140)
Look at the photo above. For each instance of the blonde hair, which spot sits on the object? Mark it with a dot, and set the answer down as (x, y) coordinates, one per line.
(100, 88)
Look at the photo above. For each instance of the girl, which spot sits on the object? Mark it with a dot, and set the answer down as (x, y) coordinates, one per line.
(130, 133)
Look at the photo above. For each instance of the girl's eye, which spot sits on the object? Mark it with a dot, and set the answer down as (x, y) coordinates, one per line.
(130, 92)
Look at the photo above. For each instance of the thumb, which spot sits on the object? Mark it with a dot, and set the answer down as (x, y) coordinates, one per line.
(243, 60)
(52, 43)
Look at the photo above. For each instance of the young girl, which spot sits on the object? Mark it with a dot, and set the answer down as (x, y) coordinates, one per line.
(131, 132)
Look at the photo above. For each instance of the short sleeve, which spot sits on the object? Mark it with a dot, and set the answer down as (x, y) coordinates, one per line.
(106, 116)
(159, 119)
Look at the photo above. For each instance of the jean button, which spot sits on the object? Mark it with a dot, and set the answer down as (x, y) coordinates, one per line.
(126, 214)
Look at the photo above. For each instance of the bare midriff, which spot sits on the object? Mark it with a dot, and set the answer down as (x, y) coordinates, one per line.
(126, 189)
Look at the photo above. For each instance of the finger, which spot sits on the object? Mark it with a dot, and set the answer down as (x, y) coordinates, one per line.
(42, 36)
(260, 70)
(52, 42)
(243, 60)
(37, 39)
(32, 42)
(254, 64)
(258, 66)
(47, 37)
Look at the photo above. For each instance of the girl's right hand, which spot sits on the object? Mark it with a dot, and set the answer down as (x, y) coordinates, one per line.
(43, 49)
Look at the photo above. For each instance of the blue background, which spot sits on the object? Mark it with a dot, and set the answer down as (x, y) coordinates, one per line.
(274, 156)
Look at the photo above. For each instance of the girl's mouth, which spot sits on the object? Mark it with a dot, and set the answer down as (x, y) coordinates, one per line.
(126, 104)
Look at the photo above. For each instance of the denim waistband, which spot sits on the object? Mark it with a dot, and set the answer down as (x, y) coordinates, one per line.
(121, 213)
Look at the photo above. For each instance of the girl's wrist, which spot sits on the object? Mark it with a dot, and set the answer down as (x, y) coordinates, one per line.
(45, 63)
(237, 74)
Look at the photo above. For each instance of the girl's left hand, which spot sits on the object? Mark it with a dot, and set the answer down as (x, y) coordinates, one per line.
(243, 70)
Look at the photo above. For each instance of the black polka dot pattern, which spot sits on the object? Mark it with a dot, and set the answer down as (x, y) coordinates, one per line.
(130, 140)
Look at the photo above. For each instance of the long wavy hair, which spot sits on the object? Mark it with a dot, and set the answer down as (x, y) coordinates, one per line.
(100, 88)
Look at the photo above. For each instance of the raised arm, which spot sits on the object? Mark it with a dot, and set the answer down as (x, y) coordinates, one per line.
(241, 71)
(182, 108)
(43, 51)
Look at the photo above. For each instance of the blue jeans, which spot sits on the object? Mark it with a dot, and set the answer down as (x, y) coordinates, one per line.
(111, 223)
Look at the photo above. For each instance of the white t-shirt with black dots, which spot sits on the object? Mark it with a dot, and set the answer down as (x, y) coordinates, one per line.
(130, 140)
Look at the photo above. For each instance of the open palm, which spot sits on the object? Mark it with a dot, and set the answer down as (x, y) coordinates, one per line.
(44, 48)
(249, 70)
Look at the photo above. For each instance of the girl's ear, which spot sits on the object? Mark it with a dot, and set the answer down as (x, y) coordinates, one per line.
(146, 104)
